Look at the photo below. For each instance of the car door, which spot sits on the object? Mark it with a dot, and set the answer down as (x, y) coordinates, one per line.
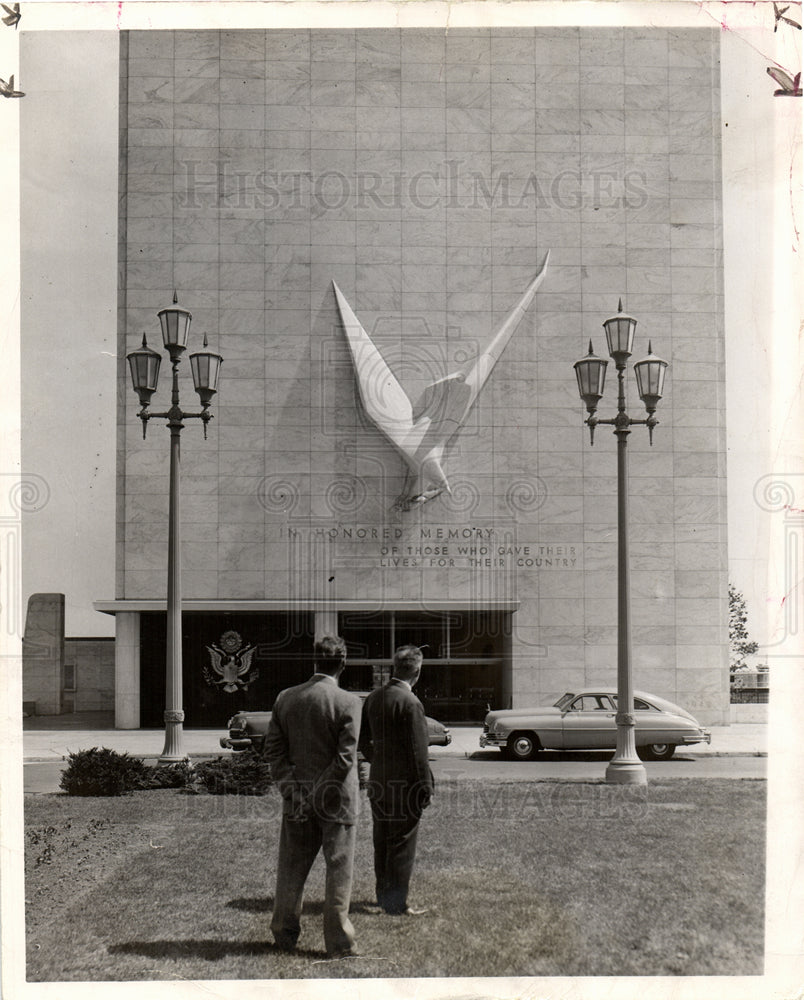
(588, 723)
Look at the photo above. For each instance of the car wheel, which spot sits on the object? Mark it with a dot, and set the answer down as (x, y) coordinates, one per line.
(657, 751)
(523, 746)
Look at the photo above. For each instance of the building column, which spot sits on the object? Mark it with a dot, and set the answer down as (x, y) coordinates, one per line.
(43, 653)
(326, 623)
(127, 670)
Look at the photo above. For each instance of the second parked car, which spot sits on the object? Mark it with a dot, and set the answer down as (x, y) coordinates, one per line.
(585, 720)
(247, 730)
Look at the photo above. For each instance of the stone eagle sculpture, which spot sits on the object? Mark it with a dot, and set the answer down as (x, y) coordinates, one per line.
(422, 431)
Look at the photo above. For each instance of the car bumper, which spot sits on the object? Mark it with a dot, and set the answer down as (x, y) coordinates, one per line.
(492, 740)
(236, 743)
(703, 737)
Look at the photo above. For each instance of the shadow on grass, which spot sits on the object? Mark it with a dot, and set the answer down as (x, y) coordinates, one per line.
(367, 906)
(210, 950)
(259, 904)
(265, 904)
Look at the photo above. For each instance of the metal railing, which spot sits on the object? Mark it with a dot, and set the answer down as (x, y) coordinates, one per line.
(749, 696)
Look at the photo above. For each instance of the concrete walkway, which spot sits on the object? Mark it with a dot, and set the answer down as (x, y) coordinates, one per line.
(54, 737)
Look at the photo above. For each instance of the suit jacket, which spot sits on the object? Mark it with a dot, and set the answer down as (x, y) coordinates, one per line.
(394, 739)
(311, 746)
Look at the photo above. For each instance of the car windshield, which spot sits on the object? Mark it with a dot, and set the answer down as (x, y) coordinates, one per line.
(564, 700)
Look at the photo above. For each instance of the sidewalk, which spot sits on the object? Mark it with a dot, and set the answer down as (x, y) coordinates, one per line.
(54, 737)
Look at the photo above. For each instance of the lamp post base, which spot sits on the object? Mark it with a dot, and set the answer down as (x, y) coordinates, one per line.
(626, 772)
(173, 751)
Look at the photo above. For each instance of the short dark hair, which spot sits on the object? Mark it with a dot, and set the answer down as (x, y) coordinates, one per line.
(407, 660)
(329, 653)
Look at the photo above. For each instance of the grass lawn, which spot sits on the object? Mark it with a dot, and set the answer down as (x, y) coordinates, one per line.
(522, 878)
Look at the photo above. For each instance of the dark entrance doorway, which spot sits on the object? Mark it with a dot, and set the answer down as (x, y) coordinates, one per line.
(464, 656)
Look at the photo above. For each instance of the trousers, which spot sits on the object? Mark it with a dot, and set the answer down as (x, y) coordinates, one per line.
(299, 844)
(394, 855)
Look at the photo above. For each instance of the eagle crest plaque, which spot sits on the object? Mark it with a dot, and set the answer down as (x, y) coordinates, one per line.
(230, 664)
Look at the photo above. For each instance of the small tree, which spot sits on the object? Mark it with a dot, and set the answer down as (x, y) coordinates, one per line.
(739, 643)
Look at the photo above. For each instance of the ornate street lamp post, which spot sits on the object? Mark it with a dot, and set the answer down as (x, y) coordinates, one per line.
(625, 767)
(205, 367)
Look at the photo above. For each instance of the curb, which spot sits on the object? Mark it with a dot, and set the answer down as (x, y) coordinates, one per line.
(140, 756)
(464, 755)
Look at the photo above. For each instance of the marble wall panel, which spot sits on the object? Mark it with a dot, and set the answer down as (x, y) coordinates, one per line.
(249, 585)
(653, 632)
(653, 660)
(702, 673)
(702, 583)
(555, 47)
(156, 65)
(593, 635)
(147, 556)
(697, 632)
(151, 45)
(143, 584)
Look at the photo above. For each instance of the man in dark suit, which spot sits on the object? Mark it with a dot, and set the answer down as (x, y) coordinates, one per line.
(394, 739)
(312, 749)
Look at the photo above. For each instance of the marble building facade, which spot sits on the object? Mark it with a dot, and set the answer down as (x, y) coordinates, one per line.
(427, 174)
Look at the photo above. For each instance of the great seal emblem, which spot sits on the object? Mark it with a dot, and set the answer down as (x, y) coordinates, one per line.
(231, 661)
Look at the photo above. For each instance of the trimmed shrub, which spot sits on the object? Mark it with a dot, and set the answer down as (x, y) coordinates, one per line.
(244, 773)
(101, 772)
(178, 775)
(106, 772)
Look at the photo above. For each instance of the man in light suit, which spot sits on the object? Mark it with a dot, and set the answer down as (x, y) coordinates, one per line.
(312, 749)
(394, 739)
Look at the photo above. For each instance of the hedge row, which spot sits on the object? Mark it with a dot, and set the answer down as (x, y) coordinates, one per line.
(106, 772)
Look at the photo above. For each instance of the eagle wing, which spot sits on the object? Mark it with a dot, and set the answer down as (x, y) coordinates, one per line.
(245, 661)
(448, 400)
(384, 399)
(478, 372)
(215, 660)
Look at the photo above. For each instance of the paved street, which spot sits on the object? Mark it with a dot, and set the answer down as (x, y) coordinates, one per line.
(736, 751)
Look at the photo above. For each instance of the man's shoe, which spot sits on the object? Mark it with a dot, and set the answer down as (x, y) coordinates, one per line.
(284, 943)
(344, 953)
(411, 911)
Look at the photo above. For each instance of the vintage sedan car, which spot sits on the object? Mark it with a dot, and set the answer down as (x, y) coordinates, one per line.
(247, 730)
(585, 720)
